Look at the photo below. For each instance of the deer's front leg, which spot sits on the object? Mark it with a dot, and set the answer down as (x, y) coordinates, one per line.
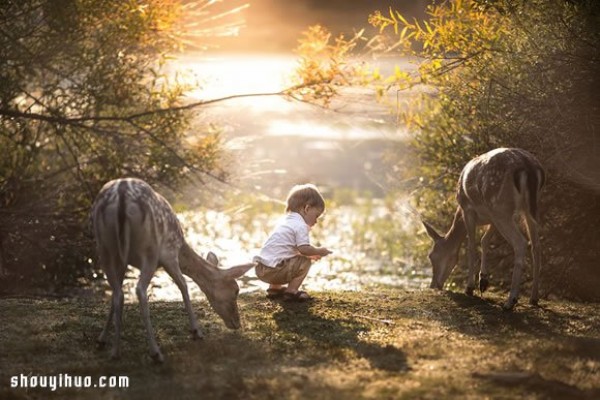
(470, 224)
(172, 268)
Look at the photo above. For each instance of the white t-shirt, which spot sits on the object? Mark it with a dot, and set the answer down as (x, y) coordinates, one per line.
(290, 233)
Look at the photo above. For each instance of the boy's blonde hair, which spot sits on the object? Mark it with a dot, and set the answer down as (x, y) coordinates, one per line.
(304, 195)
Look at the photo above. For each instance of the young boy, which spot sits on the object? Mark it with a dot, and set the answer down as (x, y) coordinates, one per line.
(286, 256)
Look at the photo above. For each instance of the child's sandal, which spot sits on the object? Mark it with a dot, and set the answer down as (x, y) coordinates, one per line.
(275, 293)
(298, 297)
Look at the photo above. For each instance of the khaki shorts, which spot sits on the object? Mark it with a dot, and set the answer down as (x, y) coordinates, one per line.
(285, 271)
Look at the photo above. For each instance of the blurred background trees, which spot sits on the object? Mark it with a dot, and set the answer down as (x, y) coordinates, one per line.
(503, 73)
(79, 80)
(488, 74)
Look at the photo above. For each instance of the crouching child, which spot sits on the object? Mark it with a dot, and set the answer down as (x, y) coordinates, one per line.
(287, 255)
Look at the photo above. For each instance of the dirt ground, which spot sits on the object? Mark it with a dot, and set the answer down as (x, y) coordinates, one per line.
(379, 344)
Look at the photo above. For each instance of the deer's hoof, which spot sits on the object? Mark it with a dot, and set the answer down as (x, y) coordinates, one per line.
(100, 344)
(197, 334)
(115, 355)
(483, 284)
(509, 305)
(534, 302)
(157, 358)
(470, 290)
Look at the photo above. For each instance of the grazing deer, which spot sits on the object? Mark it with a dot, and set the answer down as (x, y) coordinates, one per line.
(498, 189)
(134, 225)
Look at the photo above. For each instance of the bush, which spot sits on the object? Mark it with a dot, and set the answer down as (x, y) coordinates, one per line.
(81, 85)
(511, 74)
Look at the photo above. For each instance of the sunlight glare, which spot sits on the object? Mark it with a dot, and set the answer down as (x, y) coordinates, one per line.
(234, 74)
(317, 129)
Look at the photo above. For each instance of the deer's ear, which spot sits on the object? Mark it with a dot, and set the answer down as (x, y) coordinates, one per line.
(431, 232)
(239, 270)
(212, 258)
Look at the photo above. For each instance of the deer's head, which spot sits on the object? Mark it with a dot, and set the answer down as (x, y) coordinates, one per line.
(222, 289)
(443, 257)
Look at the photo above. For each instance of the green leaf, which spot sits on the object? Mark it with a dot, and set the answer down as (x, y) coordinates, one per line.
(401, 18)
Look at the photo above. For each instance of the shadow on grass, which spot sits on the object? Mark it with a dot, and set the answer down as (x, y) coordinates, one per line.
(333, 332)
(225, 364)
(550, 335)
(539, 321)
(474, 315)
(533, 382)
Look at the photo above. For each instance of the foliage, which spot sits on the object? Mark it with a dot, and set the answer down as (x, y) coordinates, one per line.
(80, 81)
(514, 74)
(494, 74)
(324, 65)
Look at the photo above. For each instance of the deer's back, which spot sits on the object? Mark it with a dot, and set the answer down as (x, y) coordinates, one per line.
(490, 182)
(131, 207)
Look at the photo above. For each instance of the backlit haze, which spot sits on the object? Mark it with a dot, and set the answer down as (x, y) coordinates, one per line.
(274, 142)
(340, 146)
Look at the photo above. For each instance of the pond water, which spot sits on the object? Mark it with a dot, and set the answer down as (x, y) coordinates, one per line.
(275, 142)
(358, 261)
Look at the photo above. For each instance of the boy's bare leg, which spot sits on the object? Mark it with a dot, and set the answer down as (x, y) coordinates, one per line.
(273, 286)
(295, 283)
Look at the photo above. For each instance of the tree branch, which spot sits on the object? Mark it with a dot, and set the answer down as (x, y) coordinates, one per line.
(130, 118)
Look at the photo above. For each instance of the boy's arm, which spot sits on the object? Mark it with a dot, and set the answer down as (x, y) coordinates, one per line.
(311, 251)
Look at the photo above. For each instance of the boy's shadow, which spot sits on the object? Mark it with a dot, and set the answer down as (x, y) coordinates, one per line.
(338, 334)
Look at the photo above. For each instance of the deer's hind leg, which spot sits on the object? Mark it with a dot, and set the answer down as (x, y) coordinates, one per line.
(101, 340)
(149, 263)
(115, 273)
(470, 219)
(511, 232)
(536, 255)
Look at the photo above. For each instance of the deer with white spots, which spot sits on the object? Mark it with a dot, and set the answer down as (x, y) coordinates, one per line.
(134, 225)
(498, 189)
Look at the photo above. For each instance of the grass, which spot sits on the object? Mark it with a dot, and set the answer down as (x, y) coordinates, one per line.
(343, 345)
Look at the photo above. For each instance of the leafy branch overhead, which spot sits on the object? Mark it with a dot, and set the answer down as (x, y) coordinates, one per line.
(77, 83)
(324, 64)
(86, 97)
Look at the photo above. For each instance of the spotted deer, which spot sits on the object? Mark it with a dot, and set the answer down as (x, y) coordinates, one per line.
(134, 225)
(498, 189)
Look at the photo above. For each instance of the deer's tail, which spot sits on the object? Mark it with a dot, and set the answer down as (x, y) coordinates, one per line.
(529, 180)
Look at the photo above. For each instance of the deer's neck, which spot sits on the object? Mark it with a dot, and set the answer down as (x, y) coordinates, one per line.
(196, 267)
(457, 232)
